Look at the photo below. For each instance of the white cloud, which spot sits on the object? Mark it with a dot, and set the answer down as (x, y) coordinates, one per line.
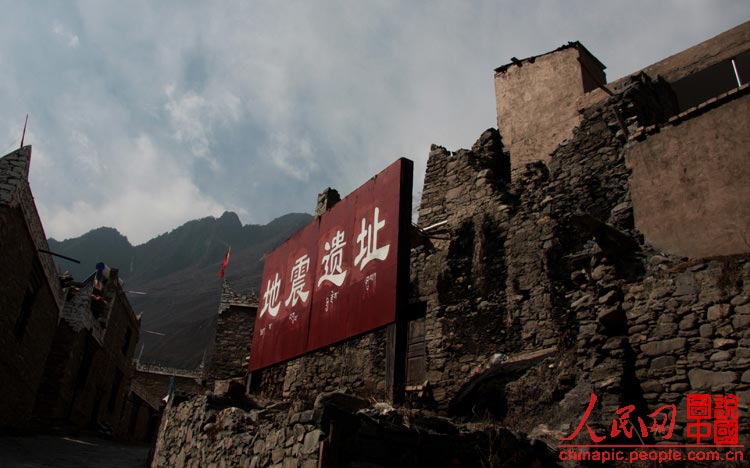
(70, 39)
(193, 118)
(293, 155)
(157, 196)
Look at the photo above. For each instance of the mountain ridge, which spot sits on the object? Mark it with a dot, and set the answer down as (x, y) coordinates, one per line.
(179, 273)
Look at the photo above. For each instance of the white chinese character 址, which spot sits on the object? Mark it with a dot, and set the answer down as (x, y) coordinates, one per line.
(332, 270)
(299, 270)
(271, 296)
(368, 241)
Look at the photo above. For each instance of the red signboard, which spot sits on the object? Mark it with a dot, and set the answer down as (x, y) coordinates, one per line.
(344, 269)
(282, 323)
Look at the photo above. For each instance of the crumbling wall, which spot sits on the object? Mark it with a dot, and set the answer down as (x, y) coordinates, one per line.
(155, 381)
(459, 269)
(208, 432)
(337, 430)
(689, 324)
(234, 327)
(357, 365)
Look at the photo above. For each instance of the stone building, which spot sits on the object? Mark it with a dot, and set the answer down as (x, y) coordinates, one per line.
(89, 369)
(613, 263)
(234, 325)
(30, 294)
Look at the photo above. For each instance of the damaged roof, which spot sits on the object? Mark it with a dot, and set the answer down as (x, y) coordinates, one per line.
(575, 44)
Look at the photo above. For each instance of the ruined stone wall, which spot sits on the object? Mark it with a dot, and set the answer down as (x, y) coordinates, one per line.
(690, 182)
(204, 432)
(120, 340)
(235, 324)
(356, 365)
(515, 290)
(635, 327)
(689, 325)
(157, 384)
(88, 371)
(24, 353)
(337, 430)
(459, 270)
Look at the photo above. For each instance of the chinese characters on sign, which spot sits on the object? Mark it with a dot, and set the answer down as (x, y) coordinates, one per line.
(332, 270)
(320, 286)
(299, 271)
(271, 297)
(368, 240)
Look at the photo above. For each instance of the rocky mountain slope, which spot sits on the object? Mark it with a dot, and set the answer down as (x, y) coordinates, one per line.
(179, 272)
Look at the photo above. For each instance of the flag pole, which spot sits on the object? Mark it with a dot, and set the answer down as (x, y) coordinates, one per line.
(23, 136)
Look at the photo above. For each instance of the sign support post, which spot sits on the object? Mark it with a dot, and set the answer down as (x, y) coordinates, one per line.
(397, 332)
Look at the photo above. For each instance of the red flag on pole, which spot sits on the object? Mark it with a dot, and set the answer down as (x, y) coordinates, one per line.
(224, 263)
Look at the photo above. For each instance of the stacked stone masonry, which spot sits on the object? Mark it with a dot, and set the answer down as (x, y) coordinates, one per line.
(234, 327)
(205, 433)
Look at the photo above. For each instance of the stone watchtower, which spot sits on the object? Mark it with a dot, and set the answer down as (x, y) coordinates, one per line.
(537, 100)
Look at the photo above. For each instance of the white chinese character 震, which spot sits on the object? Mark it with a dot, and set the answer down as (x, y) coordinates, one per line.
(299, 270)
(271, 297)
(368, 242)
(332, 270)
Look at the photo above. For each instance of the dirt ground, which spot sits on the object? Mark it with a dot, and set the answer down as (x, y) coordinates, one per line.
(69, 452)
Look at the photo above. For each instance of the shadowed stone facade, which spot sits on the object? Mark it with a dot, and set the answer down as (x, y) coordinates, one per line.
(30, 295)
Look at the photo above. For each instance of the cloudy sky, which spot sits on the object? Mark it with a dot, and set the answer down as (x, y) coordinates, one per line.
(146, 114)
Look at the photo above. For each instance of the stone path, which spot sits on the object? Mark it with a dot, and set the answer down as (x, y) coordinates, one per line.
(69, 452)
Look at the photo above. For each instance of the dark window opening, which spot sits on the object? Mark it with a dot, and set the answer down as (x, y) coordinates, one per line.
(32, 291)
(712, 81)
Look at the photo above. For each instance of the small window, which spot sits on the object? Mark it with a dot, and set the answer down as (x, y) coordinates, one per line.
(712, 81)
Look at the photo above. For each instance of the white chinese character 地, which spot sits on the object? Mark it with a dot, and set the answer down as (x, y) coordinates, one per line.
(332, 269)
(271, 297)
(368, 242)
(299, 270)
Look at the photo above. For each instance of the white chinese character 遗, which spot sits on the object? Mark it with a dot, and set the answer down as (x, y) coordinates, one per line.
(368, 241)
(299, 270)
(332, 270)
(271, 297)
